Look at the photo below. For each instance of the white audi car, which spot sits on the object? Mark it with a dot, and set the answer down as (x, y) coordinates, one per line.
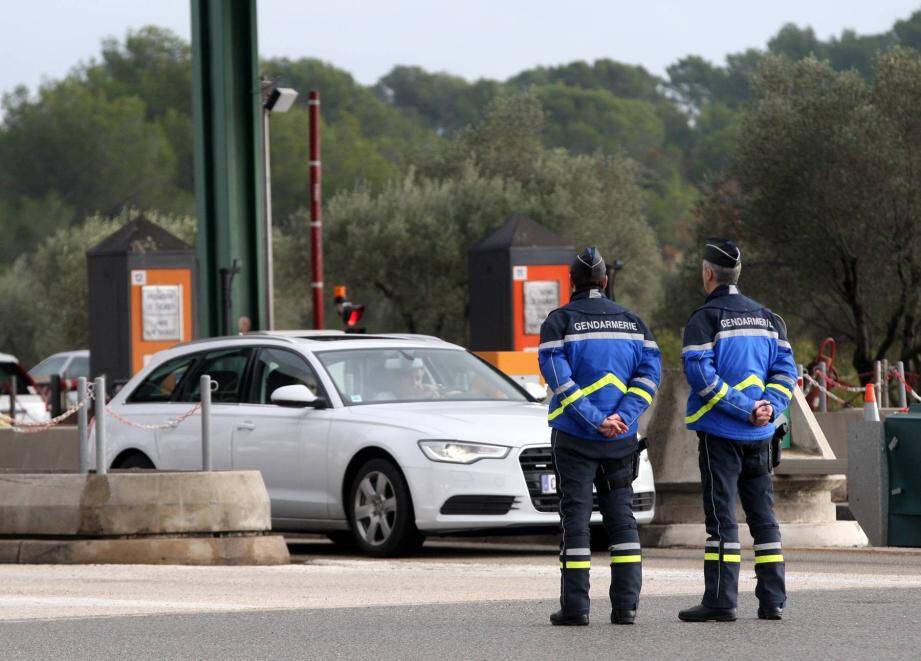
(373, 439)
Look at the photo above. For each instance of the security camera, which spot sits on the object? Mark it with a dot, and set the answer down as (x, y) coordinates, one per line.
(280, 99)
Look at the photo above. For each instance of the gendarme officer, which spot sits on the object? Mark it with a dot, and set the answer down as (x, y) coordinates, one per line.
(603, 365)
(740, 368)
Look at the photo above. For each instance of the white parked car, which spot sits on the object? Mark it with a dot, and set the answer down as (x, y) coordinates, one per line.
(30, 405)
(380, 438)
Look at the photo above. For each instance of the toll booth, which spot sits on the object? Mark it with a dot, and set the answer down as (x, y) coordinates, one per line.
(142, 284)
(518, 275)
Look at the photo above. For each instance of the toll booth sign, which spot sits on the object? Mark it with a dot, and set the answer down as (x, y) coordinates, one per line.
(541, 297)
(161, 309)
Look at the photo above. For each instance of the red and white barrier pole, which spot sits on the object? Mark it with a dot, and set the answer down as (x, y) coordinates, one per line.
(316, 223)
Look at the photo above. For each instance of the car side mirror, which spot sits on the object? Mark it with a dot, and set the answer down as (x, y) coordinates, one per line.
(536, 390)
(296, 395)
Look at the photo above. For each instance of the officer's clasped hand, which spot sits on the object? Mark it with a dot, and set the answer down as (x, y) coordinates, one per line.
(612, 426)
(762, 413)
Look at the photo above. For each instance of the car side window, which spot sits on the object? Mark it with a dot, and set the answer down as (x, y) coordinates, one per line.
(227, 367)
(161, 384)
(79, 366)
(275, 368)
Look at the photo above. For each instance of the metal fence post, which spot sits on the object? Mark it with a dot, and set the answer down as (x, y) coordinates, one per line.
(56, 409)
(13, 385)
(82, 417)
(884, 384)
(205, 390)
(903, 394)
(99, 391)
(877, 381)
(800, 381)
(823, 395)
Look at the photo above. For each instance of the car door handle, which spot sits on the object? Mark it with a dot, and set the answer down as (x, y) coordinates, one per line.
(246, 425)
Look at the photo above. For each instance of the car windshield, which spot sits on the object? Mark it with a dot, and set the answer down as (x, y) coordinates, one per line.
(376, 376)
(49, 366)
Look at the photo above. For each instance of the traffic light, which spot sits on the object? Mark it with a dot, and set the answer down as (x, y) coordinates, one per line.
(350, 313)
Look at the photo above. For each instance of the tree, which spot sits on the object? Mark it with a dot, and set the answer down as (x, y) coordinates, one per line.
(829, 197)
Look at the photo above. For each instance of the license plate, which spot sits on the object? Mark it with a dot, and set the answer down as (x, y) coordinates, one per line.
(547, 483)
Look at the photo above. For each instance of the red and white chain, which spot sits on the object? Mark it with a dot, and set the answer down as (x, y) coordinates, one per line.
(175, 422)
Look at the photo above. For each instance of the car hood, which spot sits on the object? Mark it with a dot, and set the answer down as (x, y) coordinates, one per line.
(505, 423)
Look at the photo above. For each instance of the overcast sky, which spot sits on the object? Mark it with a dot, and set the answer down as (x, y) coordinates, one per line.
(42, 39)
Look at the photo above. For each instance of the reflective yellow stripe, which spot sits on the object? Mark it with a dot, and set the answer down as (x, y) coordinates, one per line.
(606, 380)
(642, 393)
(726, 557)
(753, 380)
(768, 558)
(577, 564)
(785, 391)
(709, 405)
(569, 399)
(617, 559)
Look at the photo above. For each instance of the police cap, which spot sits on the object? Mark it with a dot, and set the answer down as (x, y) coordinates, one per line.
(722, 252)
(588, 268)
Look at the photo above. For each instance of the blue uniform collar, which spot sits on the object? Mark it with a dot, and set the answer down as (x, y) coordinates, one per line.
(723, 290)
(593, 292)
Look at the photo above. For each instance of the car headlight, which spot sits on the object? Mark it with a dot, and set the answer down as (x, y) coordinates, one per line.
(461, 452)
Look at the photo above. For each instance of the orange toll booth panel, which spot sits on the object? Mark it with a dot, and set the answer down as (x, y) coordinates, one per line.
(536, 292)
(142, 298)
(161, 312)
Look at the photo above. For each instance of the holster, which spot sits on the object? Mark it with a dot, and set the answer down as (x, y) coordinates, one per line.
(611, 471)
(779, 432)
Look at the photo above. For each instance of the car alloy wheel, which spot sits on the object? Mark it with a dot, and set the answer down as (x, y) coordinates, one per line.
(375, 508)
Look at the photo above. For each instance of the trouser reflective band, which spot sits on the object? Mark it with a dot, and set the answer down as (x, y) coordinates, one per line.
(727, 557)
(731, 551)
(580, 558)
(625, 552)
(768, 552)
(768, 558)
(576, 564)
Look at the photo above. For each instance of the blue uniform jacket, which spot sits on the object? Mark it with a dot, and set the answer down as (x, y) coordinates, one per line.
(598, 359)
(735, 353)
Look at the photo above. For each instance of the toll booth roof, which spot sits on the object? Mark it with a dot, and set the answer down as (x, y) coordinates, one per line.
(520, 231)
(138, 236)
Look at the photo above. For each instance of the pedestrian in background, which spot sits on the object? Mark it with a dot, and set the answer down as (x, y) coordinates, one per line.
(739, 365)
(602, 365)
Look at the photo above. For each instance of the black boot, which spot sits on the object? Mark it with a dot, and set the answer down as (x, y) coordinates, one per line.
(770, 613)
(623, 616)
(560, 618)
(701, 613)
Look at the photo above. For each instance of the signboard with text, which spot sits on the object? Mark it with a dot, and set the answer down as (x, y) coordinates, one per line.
(161, 312)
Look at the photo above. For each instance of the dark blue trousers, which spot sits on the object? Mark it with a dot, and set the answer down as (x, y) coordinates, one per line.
(731, 469)
(579, 464)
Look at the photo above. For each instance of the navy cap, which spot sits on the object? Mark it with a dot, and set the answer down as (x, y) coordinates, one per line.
(722, 252)
(588, 268)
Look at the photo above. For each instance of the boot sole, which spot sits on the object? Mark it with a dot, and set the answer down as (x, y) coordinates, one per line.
(715, 618)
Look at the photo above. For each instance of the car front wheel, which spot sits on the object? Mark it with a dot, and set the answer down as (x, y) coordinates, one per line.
(381, 511)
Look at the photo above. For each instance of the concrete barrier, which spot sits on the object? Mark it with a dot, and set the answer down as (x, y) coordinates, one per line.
(142, 517)
(55, 449)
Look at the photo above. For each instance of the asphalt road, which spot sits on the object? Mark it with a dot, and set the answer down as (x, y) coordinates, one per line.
(447, 604)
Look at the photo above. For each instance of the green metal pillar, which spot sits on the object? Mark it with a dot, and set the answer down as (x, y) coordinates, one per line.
(229, 178)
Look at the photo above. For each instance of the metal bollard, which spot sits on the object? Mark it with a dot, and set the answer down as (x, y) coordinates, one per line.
(823, 395)
(903, 393)
(877, 380)
(82, 426)
(13, 385)
(99, 391)
(884, 384)
(204, 388)
(56, 409)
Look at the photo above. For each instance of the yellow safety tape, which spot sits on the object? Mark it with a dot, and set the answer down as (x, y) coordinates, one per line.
(618, 559)
(726, 558)
(577, 564)
(768, 558)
